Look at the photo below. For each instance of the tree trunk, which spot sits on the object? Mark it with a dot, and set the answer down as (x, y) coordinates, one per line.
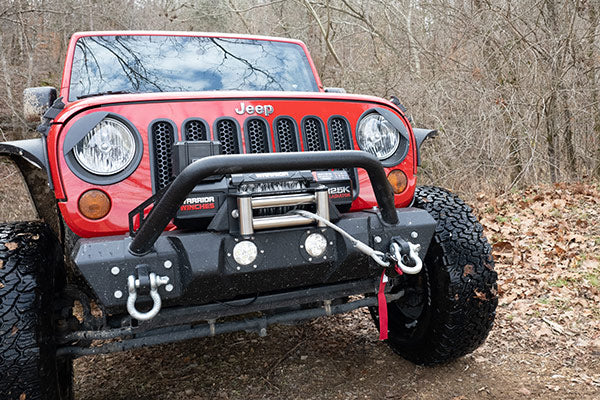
(550, 112)
(593, 82)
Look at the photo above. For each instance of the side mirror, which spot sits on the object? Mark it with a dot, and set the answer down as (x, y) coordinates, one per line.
(36, 101)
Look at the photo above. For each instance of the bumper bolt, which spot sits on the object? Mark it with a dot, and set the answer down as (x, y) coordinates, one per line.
(168, 264)
(118, 294)
(115, 270)
(377, 239)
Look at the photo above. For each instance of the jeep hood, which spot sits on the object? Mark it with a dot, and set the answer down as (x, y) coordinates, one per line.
(166, 97)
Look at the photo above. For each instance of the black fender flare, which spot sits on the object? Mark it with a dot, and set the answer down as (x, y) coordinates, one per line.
(31, 157)
(32, 150)
(420, 136)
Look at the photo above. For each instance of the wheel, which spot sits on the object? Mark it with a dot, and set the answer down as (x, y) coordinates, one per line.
(448, 308)
(30, 273)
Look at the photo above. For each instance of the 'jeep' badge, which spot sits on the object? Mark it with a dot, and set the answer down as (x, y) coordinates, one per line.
(266, 109)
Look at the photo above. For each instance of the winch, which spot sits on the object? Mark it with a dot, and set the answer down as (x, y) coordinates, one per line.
(273, 193)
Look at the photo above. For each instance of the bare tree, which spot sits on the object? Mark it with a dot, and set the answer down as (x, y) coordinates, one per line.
(512, 86)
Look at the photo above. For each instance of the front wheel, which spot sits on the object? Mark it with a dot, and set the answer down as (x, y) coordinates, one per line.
(30, 274)
(448, 308)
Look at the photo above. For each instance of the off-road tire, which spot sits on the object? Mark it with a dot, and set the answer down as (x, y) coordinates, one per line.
(30, 274)
(449, 307)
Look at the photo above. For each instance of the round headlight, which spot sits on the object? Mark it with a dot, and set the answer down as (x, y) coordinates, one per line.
(377, 136)
(107, 149)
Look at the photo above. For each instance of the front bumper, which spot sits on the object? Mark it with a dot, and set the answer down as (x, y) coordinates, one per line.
(201, 268)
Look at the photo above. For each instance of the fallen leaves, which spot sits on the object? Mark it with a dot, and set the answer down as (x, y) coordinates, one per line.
(546, 245)
(556, 327)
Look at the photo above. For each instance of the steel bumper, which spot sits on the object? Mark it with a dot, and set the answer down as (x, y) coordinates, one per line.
(201, 268)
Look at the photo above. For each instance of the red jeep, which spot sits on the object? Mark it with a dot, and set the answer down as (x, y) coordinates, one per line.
(194, 184)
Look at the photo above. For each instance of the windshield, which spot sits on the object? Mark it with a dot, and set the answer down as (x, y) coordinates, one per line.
(137, 64)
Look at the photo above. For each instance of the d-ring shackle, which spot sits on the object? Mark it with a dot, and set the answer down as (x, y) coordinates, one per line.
(413, 254)
(133, 284)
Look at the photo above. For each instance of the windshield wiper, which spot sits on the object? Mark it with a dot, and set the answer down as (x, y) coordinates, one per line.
(103, 93)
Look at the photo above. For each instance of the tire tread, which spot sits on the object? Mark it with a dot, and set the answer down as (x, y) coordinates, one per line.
(464, 310)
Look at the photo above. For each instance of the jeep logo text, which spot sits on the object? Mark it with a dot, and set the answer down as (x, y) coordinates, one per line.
(266, 109)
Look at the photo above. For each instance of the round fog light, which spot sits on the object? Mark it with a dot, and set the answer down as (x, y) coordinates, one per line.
(245, 252)
(315, 244)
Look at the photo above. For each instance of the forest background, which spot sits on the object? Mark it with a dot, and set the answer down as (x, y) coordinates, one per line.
(511, 86)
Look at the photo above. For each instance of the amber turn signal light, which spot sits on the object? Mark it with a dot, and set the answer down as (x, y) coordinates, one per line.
(398, 180)
(94, 204)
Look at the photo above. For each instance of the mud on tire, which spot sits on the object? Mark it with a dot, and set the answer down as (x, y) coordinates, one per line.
(449, 308)
(30, 271)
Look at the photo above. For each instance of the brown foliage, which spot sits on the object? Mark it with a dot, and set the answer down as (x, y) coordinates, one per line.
(511, 86)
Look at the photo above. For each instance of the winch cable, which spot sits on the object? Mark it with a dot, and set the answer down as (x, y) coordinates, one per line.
(376, 255)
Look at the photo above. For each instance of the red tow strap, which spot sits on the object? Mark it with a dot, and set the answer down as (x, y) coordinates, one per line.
(382, 305)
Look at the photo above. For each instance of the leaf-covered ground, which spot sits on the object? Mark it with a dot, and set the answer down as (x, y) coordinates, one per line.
(546, 244)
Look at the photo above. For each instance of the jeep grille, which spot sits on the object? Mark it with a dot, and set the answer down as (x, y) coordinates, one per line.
(339, 137)
(227, 134)
(162, 138)
(195, 130)
(287, 137)
(257, 138)
(313, 135)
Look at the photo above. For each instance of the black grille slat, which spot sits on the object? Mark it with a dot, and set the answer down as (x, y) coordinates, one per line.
(341, 139)
(227, 134)
(339, 134)
(195, 130)
(286, 135)
(257, 136)
(313, 135)
(162, 142)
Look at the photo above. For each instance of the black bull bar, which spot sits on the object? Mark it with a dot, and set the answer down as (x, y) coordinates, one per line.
(166, 207)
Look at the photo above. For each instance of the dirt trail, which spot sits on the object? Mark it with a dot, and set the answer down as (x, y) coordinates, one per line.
(335, 358)
(545, 344)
